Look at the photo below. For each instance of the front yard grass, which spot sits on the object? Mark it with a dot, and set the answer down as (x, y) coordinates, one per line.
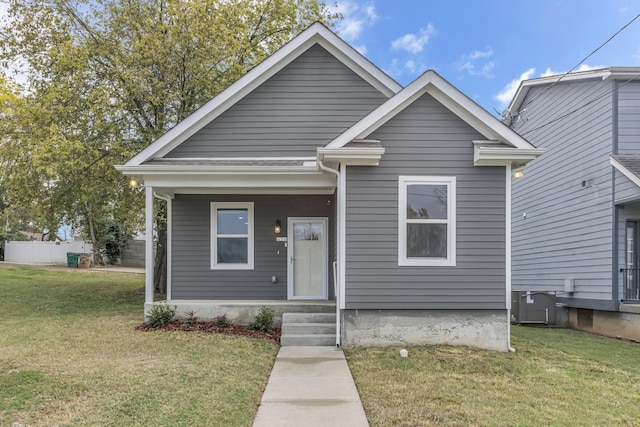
(69, 355)
(556, 377)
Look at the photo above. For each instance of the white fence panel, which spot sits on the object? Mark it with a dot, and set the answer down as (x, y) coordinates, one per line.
(46, 252)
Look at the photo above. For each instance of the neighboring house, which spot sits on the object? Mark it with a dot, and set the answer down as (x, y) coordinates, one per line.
(316, 182)
(576, 210)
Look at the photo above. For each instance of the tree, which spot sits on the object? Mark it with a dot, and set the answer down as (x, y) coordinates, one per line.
(107, 77)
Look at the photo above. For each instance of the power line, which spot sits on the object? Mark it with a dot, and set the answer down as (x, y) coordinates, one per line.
(575, 110)
(579, 63)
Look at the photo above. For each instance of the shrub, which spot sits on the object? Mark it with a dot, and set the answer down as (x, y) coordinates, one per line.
(189, 318)
(222, 321)
(264, 320)
(160, 315)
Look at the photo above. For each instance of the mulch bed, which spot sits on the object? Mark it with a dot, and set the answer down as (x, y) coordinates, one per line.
(210, 327)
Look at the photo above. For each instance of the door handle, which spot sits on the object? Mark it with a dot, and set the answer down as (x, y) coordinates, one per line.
(293, 259)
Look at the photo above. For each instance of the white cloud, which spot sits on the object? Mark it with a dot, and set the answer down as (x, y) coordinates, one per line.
(356, 16)
(471, 63)
(583, 67)
(506, 95)
(477, 54)
(410, 65)
(414, 43)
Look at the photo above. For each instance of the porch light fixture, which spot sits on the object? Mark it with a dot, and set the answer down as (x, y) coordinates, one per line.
(133, 183)
(517, 172)
(278, 227)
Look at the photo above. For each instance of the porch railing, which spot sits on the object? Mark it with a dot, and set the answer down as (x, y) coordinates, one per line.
(631, 284)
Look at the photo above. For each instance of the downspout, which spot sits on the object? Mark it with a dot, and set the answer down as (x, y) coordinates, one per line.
(508, 254)
(336, 274)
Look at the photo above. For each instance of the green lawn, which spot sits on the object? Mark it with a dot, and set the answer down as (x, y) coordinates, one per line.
(69, 355)
(556, 377)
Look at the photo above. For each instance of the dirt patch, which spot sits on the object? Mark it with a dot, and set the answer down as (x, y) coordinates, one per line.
(210, 327)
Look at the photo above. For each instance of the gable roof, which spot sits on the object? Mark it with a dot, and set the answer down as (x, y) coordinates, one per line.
(316, 34)
(614, 73)
(444, 92)
(628, 165)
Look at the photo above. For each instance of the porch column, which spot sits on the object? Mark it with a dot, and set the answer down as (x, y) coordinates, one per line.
(148, 250)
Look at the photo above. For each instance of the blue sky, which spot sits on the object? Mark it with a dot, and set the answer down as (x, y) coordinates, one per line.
(486, 47)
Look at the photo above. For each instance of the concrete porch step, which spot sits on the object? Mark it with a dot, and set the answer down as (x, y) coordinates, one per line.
(308, 329)
(307, 340)
(308, 318)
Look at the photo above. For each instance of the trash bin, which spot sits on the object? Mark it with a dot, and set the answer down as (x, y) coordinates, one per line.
(72, 259)
(84, 261)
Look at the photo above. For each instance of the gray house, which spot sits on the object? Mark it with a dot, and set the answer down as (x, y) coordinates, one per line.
(315, 183)
(576, 211)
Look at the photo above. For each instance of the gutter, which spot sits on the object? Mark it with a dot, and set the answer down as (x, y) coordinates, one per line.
(339, 225)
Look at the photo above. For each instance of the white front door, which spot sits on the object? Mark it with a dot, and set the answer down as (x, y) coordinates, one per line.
(307, 253)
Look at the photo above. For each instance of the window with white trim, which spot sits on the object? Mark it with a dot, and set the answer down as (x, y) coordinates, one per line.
(427, 221)
(232, 235)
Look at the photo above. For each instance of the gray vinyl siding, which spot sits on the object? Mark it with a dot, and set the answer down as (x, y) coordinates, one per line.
(629, 118)
(567, 230)
(192, 277)
(304, 106)
(425, 139)
(625, 189)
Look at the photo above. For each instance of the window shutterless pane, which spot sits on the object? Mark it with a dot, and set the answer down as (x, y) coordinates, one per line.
(426, 201)
(233, 250)
(426, 240)
(232, 221)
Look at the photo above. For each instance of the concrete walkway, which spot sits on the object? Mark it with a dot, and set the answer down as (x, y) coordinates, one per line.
(310, 386)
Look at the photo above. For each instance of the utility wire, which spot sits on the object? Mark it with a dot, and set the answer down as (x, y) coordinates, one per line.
(578, 64)
(575, 110)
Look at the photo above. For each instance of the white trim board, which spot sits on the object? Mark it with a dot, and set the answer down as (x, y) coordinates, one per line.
(624, 171)
(449, 96)
(403, 185)
(291, 253)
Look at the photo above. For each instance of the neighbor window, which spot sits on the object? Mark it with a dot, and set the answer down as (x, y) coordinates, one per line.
(231, 236)
(427, 221)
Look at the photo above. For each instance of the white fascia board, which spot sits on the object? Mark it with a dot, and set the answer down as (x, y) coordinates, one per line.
(316, 33)
(445, 93)
(213, 170)
(603, 74)
(359, 64)
(237, 181)
(624, 171)
(361, 156)
(473, 114)
(502, 156)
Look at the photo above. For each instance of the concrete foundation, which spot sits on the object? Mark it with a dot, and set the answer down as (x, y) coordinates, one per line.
(477, 328)
(244, 312)
(623, 324)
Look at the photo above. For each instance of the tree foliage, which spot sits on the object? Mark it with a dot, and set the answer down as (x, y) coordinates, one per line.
(106, 78)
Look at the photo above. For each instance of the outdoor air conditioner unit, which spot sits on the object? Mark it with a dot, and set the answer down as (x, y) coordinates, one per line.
(533, 307)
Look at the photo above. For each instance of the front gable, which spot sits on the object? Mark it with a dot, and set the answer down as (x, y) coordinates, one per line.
(316, 34)
(305, 105)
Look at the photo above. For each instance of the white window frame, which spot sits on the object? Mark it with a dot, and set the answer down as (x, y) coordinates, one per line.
(403, 183)
(214, 235)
